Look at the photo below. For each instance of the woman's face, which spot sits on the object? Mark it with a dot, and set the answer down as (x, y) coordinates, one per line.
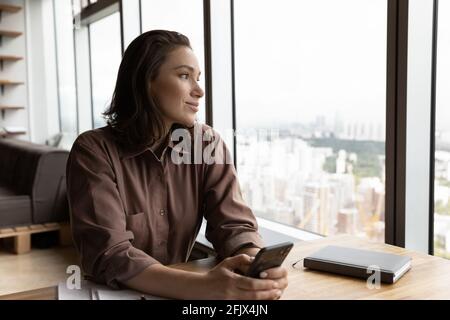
(176, 89)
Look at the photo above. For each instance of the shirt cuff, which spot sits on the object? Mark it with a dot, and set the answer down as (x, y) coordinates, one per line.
(244, 239)
(126, 265)
(245, 246)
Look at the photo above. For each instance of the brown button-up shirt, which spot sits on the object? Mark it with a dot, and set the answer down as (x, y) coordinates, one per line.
(131, 209)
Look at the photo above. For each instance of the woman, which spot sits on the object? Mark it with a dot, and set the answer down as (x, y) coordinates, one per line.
(135, 210)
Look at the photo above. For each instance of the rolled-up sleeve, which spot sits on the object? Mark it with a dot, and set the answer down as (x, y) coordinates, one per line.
(231, 224)
(98, 218)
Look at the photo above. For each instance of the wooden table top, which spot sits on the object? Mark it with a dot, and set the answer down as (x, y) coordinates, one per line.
(429, 277)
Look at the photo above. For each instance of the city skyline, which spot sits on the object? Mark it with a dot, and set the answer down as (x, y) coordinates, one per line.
(284, 180)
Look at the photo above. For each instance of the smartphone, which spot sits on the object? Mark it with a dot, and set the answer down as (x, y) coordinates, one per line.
(269, 257)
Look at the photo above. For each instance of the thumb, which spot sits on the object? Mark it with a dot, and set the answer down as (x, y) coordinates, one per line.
(235, 262)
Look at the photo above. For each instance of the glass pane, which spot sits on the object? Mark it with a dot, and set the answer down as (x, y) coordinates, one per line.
(66, 66)
(106, 55)
(182, 16)
(311, 110)
(76, 7)
(442, 153)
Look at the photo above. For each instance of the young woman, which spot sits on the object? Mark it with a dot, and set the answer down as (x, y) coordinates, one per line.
(135, 210)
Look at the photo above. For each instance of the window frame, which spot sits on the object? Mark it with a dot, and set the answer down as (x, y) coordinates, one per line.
(396, 117)
(433, 126)
(83, 68)
(396, 94)
(418, 186)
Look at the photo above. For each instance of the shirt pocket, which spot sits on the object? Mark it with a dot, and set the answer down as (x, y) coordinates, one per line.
(137, 223)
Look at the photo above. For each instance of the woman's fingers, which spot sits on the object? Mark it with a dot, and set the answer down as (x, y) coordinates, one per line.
(236, 262)
(274, 273)
(236, 286)
(278, 275)
(247, 283)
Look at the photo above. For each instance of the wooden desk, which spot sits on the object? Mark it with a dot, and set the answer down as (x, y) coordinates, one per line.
(51, 293)
(429, 277)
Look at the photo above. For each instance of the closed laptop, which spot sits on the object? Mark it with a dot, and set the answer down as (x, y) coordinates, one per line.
(358, 263)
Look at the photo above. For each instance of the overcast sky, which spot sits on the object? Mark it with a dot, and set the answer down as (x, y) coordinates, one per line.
(296, 60)
(299, 59)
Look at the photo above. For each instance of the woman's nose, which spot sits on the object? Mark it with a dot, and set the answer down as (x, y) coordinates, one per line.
(198, 91)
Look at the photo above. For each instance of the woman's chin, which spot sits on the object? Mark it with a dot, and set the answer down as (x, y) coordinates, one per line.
(189, 122)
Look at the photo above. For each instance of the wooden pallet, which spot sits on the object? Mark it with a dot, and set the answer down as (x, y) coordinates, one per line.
(20, 237)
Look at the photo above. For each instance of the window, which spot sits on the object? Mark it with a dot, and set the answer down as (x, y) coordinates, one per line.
(442, 137)
(66, 66)
(185, 17)
(106, 55)
(311, 112)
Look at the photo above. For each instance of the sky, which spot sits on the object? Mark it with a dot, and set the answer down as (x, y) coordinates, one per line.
(300, 59)
(295, 60)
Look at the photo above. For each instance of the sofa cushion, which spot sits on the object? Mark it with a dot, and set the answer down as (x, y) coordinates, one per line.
(6, 192)
(49, 189)
(8, 159)
(15, 210)
(28, 165)
(38, 172)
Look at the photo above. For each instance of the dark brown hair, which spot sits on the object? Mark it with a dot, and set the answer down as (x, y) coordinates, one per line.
(133, 114)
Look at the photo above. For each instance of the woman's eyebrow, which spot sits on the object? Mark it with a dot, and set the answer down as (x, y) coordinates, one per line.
(185, 66)
(188, 67)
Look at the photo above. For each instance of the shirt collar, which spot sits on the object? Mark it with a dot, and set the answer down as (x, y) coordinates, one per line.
(170, 144)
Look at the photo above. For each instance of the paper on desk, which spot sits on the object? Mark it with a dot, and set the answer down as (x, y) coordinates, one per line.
(124, 295)
(65, 293)
(14, 129)
(92, 291)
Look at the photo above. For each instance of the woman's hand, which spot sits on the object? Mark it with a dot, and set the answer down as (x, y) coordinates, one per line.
(279, 275)
(222, 282)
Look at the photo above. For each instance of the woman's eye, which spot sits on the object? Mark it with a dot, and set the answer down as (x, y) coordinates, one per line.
(184, 76)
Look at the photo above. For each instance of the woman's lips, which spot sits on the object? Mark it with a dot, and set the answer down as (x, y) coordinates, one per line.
(193, 106)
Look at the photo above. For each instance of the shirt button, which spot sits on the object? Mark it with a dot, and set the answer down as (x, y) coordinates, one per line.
(162, 212)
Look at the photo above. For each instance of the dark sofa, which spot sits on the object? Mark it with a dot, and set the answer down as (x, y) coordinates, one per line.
(32, 184)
